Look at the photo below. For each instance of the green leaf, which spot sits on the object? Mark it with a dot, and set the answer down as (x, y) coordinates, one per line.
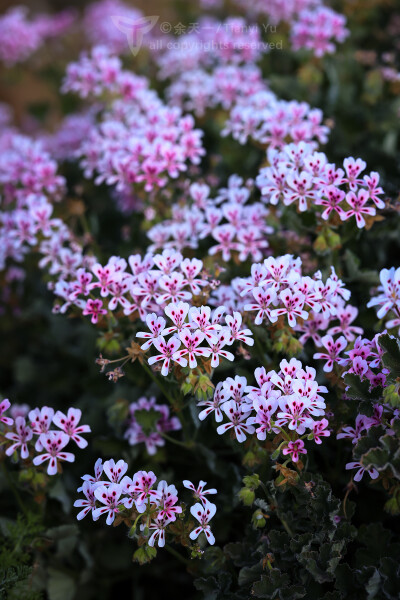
(148, 419)
(382, 456)
(246, 496)
(144, 554)
(252, 482)
(391, 357)
(60, 586)
(360, 390)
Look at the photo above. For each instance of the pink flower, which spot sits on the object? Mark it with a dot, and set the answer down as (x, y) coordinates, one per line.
(109, 496)
(156, 325)
(354, 434)
(372, 472)
(300, 190)
(200, 319)
(191, 341)
(190, 269)
(320, 430)
(53, 442)
(204, 516)
(168, 351)
(114, 471)
(353, 168)
(239, 420)
(94, 308)
(216, 349)
(4, 405)
(199, 493)
(173, 285)
(166, 502)
(224, 234)
(372, 181)
(98, 471)
(293, 303)
(177, 312)
(264, 298)
(214, 405)
(346, 316)
(295, 413)
(143, 482)
(234, 323)
(358, 208)
(41, 419)
(20, 438)
(334, 350)
(87, 505)
(332, 197)
(157, 526)
(265, 408)
(295, 449)
(69, 424)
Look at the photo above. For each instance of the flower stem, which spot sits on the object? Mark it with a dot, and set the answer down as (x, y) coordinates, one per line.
(271, 500)
(176, 554)
(177, 442)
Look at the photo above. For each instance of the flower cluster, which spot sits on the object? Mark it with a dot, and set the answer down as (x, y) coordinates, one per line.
(151, 436)
(364, 359)
(318, 29)
(277, 288)
(287, 401)
(138, 139)
(155, 280)
(313, 26)
(239, 228)
(211, 43)
(274, 123)
(104, 21)
(21, 37)
(28, 181)
(156, 508)
(198, 90)
(191, 327)
(300, 174)
(388, 300)
(50, 443)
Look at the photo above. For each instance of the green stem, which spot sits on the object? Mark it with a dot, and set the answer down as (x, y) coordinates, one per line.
(272, 500)
(156, 380)
(177, 442)
(176, 554)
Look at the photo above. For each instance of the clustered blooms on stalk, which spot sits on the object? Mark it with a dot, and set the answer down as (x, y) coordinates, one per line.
(138, 139)
(287, 402)
(136, 499)
(193, 326)
(388, 300)
(277, 288)
(135, 434)
(101, 22)
(240, 229)
(212, 43)
(313, 26)
(299, 174)
(155, 281)
(364, 360)
(49, 443)
(21, 37)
